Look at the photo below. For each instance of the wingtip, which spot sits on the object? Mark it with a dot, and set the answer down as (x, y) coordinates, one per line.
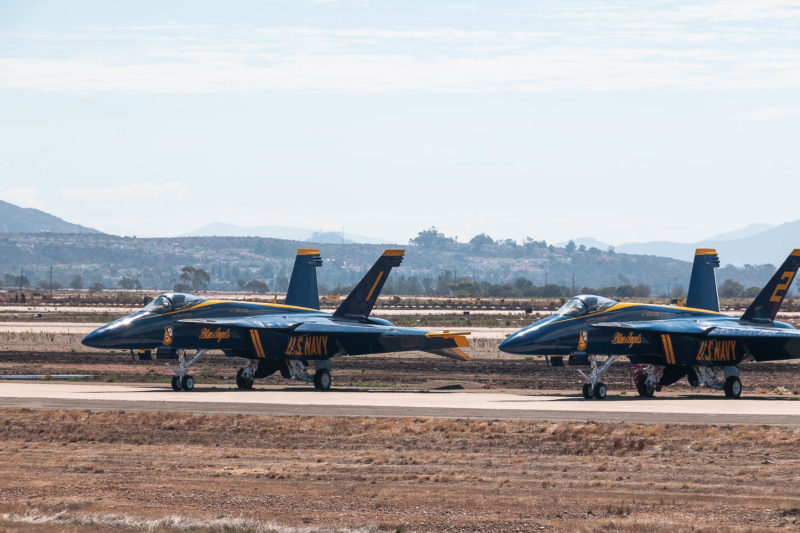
(705, 251)
(796, 252)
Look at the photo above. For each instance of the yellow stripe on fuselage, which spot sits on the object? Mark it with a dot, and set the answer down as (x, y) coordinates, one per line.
(257, 343)
(617, 307)
(218, 302)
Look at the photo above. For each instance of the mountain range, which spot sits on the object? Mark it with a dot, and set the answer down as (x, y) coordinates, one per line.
(15, 219)
(222, 229)
(755, 244)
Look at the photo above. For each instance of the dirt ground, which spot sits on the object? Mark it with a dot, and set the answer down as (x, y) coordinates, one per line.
(81, 471)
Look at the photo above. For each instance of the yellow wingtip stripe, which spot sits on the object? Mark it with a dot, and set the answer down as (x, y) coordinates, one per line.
(705, 251)
(796, 252)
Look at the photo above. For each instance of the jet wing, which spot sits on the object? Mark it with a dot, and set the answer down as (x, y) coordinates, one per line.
(356, 338)
(694, 327)
(685, 326)
(249, 322)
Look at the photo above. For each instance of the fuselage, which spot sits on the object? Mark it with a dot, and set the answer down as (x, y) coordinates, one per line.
(153, 328)
(561, 334)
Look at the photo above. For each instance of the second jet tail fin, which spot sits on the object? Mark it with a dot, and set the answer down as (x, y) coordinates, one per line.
(703, 283)
(361, 301)
(769, 300)
(303, 290)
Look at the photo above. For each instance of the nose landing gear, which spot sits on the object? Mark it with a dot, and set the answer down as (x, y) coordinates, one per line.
(596, 388)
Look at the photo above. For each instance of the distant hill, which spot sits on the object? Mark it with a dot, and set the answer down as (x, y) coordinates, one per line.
(15, 219)
(747, 231)
(768, 246)
(221, 229)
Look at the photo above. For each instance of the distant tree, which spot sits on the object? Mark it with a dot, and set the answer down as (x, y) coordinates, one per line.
(127, 283)
(258, 286)
(479, 241)
(17, 281)
(731, 289)
(443, 282)
(281, 283)
(751, 292)
(46, 285)
(260, 247)
(431, 238)
(530, 243)
(511, 243)
(241, 283)
(570, 247)
(77, 282)
(97, 287)
(677, 292)
(196, 279)
(582, 248)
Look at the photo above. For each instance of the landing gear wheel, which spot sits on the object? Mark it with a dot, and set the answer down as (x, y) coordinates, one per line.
(322, 380)
(645, 390)
(600, 391)
(587, 391)
(242, 381)
(176, 383)
(733, 387)
(188, 383)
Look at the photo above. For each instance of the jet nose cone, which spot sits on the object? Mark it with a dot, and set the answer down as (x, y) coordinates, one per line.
(517, 342)
(99, 338)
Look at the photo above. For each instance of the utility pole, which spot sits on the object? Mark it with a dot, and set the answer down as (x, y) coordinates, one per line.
(573, 283)
(21, 275)
(51, 282)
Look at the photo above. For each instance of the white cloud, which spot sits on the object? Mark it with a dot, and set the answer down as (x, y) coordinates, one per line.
(768, 114)
(134, 191)
(23, 197)
(570, 47)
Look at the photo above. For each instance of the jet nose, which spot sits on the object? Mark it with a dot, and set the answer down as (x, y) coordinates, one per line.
(517, 342)
(99, 338)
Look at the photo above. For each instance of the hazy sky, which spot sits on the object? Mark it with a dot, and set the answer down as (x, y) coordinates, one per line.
(623, 121)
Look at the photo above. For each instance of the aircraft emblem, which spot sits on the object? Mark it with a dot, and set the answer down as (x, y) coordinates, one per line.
(168, 332)
(583, 340)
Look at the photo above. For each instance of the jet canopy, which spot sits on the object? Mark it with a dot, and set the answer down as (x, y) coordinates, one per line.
(585, 304)
(172, 301)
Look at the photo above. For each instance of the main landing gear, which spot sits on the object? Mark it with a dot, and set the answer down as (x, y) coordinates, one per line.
(595, 388)
(182, 380)
(730, 382)
(322, 374)
(646, 379)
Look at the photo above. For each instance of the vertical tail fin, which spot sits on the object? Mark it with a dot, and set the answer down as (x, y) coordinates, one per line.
(769, 300)
(361, 301)
(302, 290)
(703, 283)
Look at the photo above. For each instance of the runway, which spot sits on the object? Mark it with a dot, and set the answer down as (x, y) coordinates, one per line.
(672, 409)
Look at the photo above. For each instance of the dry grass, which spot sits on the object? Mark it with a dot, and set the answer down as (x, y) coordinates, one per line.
(381, 474)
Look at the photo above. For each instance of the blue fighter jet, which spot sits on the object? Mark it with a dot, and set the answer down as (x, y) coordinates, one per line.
(665, 343)
(283, 338)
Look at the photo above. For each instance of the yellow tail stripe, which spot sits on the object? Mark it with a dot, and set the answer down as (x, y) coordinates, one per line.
(671, 349)
(380, 275)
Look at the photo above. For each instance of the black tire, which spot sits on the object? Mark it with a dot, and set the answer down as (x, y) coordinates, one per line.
(643, 389)
(600, 391)
(188, 383)
(176, 384)
(733, 387)
(322, 380)
(587, 391)
(242, 381)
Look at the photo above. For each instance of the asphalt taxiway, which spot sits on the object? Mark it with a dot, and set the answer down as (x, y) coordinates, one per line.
(672, 409)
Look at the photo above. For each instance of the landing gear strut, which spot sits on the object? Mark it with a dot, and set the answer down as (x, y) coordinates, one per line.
(182, 380)
(730, 384)
(596, 388)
